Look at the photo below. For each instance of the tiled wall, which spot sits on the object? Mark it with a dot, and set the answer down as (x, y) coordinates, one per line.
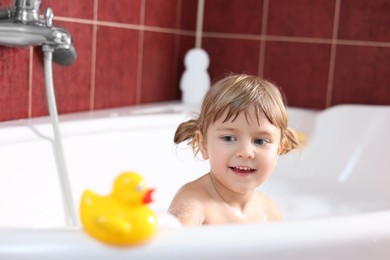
(321, 52)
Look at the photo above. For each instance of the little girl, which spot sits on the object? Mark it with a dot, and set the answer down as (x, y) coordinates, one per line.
(242, 129)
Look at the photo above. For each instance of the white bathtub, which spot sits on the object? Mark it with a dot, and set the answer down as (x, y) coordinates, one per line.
(334, 193)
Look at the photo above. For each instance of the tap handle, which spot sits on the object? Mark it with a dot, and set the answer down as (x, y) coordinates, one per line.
(49, 15)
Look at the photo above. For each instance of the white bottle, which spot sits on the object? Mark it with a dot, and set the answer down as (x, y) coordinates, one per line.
(195, 81)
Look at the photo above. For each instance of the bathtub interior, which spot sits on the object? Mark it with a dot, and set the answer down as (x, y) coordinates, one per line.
(341, 170)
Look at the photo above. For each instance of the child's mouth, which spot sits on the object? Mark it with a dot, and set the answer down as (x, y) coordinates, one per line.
(242, 170)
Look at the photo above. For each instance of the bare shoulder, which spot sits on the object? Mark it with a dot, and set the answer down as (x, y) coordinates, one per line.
(187, 205)
(272, 210)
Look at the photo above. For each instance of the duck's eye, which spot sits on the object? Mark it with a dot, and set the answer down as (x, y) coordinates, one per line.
(139, 188)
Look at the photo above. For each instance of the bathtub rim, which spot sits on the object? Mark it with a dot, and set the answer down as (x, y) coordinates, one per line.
(312, 237)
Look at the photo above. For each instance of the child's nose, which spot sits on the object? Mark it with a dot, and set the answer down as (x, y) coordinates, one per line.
(246, 151)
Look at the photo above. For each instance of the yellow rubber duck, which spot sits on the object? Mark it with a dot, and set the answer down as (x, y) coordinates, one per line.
(122, 217)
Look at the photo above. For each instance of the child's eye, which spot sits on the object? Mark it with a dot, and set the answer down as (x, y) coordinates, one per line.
(228, 138)
(260, 141)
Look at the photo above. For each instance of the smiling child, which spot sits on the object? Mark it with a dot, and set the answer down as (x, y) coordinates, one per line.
(242, 129)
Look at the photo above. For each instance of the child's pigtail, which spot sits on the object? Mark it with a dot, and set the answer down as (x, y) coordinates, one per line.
(186, 132)
(290, 141)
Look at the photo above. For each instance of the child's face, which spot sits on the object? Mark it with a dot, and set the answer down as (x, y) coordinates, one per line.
(242, 153)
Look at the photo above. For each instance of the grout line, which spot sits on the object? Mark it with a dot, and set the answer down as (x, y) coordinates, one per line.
(30, 82)
(268, 38)
(199, 24)
(233, 36)
(333, 50)
(227, 35)
(138, 90)
(297, 39)
(128, 26)
(260, 66)
(363, 43)
(93, 58)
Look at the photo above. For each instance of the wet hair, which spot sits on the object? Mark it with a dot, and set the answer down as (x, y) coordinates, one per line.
(233, 95)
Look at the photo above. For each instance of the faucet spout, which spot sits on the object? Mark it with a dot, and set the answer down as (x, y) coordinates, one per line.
(21, 27)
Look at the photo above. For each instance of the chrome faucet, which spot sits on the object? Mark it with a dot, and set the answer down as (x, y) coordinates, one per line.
(21, 26)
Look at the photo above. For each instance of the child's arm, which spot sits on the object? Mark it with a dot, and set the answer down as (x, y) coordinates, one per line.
(187, 208)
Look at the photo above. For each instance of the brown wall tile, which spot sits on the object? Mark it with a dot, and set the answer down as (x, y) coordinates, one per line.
(301, 18)
(233, 16)
(14, 64)
(303, 80)
(70, 8)
(161, 13)
(188, 14)
(232, 56)
(39, 103)
(159, 68)
(362, 75)
(365, 20)
(7, 3)
(116, 67)
(120, 11)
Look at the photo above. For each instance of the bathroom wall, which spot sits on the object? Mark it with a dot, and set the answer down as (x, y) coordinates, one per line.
(320, 52)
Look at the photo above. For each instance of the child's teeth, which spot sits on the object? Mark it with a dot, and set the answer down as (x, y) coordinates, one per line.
(244, 168)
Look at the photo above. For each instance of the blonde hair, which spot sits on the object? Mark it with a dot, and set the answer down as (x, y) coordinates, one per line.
(235, 94)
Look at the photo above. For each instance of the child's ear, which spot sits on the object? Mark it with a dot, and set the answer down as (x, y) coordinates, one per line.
(201, 144)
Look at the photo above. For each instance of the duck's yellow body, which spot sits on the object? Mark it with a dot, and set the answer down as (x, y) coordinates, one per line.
(121, 218)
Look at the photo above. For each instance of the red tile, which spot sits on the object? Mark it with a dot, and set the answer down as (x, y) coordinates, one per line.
(75, 80)
(301, 70)
(362, 75)
(14, 71)
(39, 103)
(233, 16)
(232, 56)
(120, 11)
(71, 8)
(301, 18)
(6, 3)
(72, 84)
(188, 15)
(116, 67)
(158, 73)
(161, 13)
(365, 20)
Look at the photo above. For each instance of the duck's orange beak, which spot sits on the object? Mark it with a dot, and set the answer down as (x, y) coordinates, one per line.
(148, 196)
